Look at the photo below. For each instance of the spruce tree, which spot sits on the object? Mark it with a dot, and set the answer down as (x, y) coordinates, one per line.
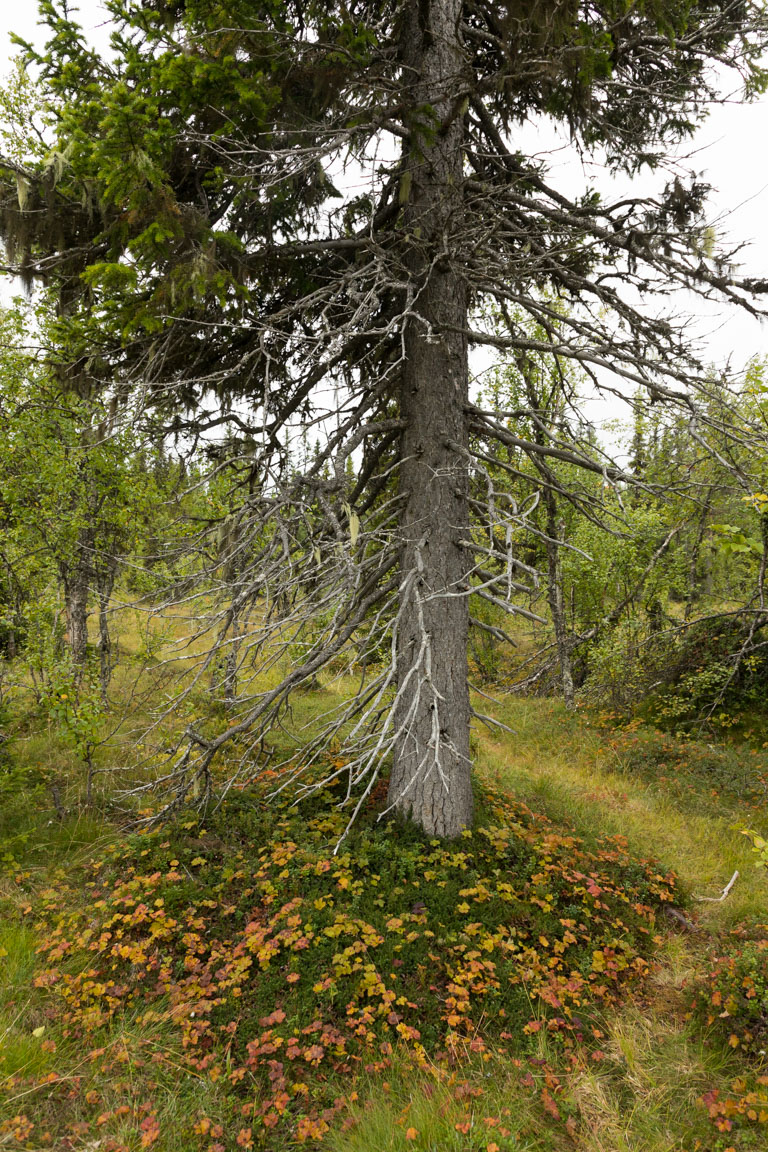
(268, 204)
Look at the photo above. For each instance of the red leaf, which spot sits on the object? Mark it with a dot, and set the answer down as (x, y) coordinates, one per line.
(549, 1104)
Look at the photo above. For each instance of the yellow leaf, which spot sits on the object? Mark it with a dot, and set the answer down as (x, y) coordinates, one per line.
(38, 1031)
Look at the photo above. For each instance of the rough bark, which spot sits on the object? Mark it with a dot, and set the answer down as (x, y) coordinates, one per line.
(431, 774)
(76, 587)
(230, 673)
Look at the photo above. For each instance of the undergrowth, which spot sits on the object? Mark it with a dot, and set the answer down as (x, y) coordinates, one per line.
(271, 965)
(238, 985)
(698, 775)
(730, 1002)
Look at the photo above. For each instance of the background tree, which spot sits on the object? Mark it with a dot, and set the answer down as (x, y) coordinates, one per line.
(75, 501)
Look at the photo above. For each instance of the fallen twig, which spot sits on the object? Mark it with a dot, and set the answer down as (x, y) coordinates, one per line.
(724, 893)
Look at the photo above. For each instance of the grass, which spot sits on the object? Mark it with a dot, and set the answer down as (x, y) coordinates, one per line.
(434, 1110)
(649, 1074)
(568, 766)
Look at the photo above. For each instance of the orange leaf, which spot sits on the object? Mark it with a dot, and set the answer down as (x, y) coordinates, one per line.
(314, 1054)
(275, 1017)
(549, 1104)
(150, 1130)
(411, 1133)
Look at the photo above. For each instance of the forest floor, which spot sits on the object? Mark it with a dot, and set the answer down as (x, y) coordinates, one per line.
(563, 977)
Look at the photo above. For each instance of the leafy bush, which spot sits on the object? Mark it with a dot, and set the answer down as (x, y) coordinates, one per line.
(619, 671)
(731, 1004)
(680, 680)
(704, 682)
(732, 1000)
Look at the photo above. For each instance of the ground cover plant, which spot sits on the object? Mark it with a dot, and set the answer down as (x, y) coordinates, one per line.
(235, 984)
(699, 775)
(281, 968)
(731, 1002)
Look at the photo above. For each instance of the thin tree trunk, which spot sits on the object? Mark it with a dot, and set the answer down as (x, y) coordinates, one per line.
(76, 587)
(555, 530)
(230, 669)
(694, 586)
(431, 774)
(106, 583)
(544, 405)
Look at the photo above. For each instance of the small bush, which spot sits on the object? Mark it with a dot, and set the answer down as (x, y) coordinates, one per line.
(731, 1005)
(732, 1000)
(680, 680)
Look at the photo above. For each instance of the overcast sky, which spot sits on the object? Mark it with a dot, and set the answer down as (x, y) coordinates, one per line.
(730, 153)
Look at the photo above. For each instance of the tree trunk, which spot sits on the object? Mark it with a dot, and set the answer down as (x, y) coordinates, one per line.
(694, 586)
(105, 584)
(76, 586)
(230, 668)
(431, 774)
(555, 530)
(547, 406)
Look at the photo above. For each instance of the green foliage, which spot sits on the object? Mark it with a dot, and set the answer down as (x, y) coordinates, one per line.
(26, 120)
(706, 683)
(619, 668)
(733, 541)
(699, 776)
(685, 680)
(282, 970)
(760, 846)
(609, 567)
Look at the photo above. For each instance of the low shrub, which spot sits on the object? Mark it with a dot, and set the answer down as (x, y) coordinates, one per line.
(284, 967)
(731, 1002)
(731, 1005)
(695, 773)
(684, 679)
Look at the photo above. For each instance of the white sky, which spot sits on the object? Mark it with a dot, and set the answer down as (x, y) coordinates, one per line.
(729, 153)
